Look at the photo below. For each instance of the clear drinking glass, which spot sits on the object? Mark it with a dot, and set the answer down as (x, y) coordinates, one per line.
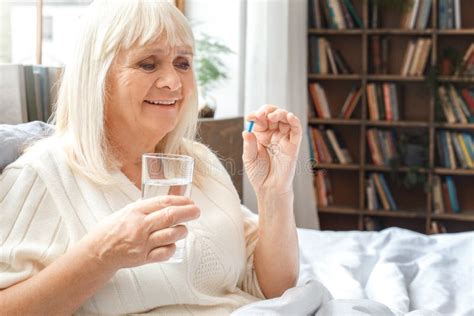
(164, 174)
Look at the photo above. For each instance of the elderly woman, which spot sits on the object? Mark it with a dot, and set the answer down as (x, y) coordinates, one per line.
(76, 237)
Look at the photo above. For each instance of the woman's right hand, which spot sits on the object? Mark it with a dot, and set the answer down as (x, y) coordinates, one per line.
(142, 232)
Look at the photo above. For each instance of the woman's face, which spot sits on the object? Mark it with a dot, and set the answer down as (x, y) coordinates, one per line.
(147, 89)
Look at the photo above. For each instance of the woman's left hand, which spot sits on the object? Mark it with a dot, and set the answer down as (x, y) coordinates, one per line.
(271, 150)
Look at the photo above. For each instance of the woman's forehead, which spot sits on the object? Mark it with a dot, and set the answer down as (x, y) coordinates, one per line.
(162, 46)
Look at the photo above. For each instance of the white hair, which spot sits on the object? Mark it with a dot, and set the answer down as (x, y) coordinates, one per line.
(107, 27)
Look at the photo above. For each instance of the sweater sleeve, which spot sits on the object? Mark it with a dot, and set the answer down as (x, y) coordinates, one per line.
(250, 282)
(32, 233)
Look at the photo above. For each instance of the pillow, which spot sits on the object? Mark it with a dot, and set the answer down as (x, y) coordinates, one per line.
(13, 139)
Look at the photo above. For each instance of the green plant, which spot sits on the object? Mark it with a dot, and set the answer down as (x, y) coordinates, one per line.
(210, 69)
(413, 153)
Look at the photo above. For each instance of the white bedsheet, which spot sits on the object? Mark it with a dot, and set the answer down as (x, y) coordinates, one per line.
(364, 272)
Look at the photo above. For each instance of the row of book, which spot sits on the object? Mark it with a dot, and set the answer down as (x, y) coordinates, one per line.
(383, 101)
(455, 149)
(321, 106)
(323, 186)
(467, 65)
(324, 59)
(449, 14)
(457, 105)
(333, 14)
(445, 198)
(416, 57)
(327, 146)
(417, 14)
(27, 92)
(378, 193)
(382, 146)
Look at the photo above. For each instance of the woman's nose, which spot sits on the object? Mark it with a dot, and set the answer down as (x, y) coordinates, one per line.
(169, 78)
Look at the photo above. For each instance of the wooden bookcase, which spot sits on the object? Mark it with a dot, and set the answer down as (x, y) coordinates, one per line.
(417, 112)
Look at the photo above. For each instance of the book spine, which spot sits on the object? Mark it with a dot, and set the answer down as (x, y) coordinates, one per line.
(328, 147)
(387, 101)
(391, 200)
(457, 109)
(453, 194)
(422, 22)
(347, 16)
(450, 14)
(458, 151)
(316, 102)
(382, 195)
(457, 14)
(438, 205)
(464, 151)
(330, 55)
(348, 101)
(353, 12)
(323, 61)
(469, 100)
(414, 13)
(469, 144)
(324, 101)
(353, 104)
(446, 198)
(394, 102)
(336, 147)
(442, 14)
(452, 159)
(321, 189)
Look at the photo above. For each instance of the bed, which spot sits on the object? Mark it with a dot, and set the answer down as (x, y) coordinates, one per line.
(392, 272)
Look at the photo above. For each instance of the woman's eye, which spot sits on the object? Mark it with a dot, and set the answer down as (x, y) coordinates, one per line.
(147, 66)
(183, 65)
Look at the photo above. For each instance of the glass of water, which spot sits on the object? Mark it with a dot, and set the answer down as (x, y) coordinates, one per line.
(164, 174)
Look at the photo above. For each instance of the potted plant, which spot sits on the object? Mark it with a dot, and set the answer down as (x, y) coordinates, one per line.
(210, 70)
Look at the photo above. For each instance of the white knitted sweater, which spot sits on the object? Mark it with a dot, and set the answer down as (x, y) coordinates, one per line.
(45, 208)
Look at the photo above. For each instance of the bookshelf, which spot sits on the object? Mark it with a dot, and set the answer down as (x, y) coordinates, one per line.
(417, 105)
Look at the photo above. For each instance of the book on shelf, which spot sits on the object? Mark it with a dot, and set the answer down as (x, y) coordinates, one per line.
(382, 146)
(342, 154)
(449, 14)
(438, 228)
(452, 192)
(326, 60)
(319, 100)
(416, 16)
(467, 64)
(323, 188)
(455, 149)
(457, 105)
(383, 192)
(333, 14)
(350, 103)
(382, 101)
(13, 104)
(438, 204)
(416, 56)
(329, 147)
